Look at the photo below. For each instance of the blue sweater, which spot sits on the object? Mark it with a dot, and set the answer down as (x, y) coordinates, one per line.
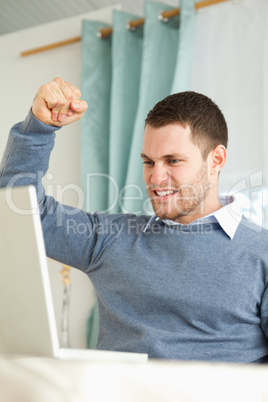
(174, 292)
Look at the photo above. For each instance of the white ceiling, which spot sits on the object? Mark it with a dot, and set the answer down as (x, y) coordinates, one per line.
(20, 14)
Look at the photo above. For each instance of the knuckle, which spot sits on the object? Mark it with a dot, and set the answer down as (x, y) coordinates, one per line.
(77, 92)
(44, 88)
(70, 96)
(61, 102)
(58, 80)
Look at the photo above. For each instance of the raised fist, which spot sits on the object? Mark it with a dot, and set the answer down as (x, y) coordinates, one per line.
(58, 103)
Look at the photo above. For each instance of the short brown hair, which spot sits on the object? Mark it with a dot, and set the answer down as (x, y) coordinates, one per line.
(205, 119)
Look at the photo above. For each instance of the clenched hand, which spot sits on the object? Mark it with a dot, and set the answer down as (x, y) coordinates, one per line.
(58, 103)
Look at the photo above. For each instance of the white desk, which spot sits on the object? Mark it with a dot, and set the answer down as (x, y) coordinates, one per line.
(47, 380)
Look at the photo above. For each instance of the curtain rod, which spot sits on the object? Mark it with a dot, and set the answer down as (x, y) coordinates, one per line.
(106, 32)
(163, 16)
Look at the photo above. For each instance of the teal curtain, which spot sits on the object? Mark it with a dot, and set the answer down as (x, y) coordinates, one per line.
(122, 78)
(158, 65)
(92, 326)
(126, 62)
(185, 53)
(96, 90)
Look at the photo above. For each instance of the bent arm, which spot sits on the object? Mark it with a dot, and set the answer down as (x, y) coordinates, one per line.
(30, 142)
(26, 157)
(69, 233)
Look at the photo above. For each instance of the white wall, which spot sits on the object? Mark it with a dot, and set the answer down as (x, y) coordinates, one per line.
(19, 81)
(230, 66)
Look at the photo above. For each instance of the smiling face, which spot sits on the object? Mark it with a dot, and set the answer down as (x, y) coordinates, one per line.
(178, 180)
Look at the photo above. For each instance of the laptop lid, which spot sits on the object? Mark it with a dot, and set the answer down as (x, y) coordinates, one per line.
(27, 321)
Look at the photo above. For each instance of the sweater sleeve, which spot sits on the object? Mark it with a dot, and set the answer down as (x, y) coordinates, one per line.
(69, 233)
(26, 157)
(264, 312)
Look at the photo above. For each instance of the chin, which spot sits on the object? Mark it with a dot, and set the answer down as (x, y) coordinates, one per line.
(165, 214)
(175, 214)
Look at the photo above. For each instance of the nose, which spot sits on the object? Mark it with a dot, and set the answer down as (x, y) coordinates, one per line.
(159, 174)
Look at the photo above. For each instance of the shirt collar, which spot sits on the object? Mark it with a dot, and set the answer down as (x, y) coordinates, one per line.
(228, 217)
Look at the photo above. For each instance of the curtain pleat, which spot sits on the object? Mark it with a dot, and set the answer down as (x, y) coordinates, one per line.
(157, 69)
(185, 54)
(96, 90)
(126, 62)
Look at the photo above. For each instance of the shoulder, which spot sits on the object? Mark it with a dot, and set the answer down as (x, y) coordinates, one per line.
(252, 232)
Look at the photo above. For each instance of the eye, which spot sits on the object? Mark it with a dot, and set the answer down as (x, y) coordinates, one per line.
(147, 162)
(174, 161)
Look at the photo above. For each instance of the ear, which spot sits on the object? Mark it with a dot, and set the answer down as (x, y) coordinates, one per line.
(217, 159)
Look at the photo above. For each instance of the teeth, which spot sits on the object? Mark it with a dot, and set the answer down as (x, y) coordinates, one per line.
(163, 193)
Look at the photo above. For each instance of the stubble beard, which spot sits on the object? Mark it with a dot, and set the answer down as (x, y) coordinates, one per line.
(189, 199)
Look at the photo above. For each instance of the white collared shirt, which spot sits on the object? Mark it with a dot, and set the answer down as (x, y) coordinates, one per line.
(228, 216)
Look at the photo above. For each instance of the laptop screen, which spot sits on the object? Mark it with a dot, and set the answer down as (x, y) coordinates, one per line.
(27, 322)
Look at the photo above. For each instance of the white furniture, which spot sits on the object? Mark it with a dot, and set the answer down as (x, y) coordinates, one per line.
(43, 380)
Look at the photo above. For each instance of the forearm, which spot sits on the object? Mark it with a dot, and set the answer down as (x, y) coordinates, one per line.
(26, 161)
(26, 157)
(30, 143)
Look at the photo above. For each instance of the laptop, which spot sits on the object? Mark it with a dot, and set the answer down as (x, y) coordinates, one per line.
(27, 319)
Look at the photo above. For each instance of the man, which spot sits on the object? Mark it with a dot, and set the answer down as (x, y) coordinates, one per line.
(189, 283)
